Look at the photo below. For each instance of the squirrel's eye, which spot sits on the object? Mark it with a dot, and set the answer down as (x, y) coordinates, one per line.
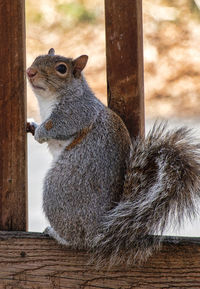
(61, 68)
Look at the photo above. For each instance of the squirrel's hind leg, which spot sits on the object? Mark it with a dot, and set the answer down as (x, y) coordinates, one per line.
(52, 233)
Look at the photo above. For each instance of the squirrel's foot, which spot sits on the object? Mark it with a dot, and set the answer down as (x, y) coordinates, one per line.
(52, 233)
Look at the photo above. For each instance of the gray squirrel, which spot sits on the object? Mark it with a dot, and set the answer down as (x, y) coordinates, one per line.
(105, 192)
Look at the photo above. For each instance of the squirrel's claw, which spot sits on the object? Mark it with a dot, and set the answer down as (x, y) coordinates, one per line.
(31, 126)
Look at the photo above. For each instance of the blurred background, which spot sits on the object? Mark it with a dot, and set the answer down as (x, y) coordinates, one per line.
(171, 66)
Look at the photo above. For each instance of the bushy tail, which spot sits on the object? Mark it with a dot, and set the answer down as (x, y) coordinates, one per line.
(162, 186)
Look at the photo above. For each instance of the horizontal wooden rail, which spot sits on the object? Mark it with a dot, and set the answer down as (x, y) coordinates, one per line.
(32, 260)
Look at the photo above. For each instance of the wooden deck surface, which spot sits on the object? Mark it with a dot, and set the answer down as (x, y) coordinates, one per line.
(32, 260)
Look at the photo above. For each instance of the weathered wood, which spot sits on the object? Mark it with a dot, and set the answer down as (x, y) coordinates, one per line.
(32, 260)
(13, 173)
(124, 52)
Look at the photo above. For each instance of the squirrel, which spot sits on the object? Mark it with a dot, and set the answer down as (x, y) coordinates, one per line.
(105, 192)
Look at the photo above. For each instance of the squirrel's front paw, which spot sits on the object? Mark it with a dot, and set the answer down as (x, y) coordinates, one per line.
(31, 126)
(39, 137)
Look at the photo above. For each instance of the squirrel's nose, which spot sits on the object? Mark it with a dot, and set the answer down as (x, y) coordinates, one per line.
(31, 72)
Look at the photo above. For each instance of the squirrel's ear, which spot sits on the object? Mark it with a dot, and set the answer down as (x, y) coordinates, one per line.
(51, 51)
(79, 64)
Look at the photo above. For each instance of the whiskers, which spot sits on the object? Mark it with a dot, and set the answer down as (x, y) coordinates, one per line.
(52, 83)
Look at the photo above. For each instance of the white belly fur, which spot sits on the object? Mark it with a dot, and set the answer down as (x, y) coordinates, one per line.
(46, 104)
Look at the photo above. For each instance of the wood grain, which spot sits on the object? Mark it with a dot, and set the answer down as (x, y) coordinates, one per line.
(13, 175)
(124, 54)
(33, 261)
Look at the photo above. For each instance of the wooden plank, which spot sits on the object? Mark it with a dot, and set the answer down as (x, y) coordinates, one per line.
(124, 52)
(13, 175)
(32, 260)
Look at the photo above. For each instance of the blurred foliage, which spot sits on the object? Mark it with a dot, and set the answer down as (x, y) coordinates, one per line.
(171, 46)
(61, 13)
(172, 58)
(68, 13)
(183, 8)
(189, 8)
(77, 11)
(33, 14)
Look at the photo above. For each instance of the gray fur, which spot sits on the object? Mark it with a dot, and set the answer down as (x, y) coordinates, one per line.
(162, 185)
(106, 193)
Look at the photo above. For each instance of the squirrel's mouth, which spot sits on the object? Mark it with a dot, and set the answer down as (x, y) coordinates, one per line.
(37, 87)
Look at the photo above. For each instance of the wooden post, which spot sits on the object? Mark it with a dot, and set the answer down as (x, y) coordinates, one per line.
(124, 51)
(13, 175)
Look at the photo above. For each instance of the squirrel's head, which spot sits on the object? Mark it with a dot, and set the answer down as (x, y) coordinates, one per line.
(51, 73)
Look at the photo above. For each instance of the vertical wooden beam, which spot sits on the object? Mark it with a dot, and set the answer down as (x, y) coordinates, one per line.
(13, 174)
(124, 51)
